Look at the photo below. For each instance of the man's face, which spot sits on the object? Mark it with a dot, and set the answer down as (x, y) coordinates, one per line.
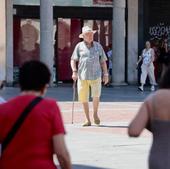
(88, 37)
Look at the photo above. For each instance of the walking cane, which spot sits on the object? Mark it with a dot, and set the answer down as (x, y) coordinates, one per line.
(74, 96)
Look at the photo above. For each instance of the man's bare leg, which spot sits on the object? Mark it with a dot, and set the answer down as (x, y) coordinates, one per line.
(95, 109)
(86, 111)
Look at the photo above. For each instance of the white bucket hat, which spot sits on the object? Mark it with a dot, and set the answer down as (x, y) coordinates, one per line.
(86, 29)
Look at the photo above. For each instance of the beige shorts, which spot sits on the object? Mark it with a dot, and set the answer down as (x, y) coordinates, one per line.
(84, 86)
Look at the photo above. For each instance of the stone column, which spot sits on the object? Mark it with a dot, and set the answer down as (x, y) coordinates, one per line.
(132, 40)
(46, 33)
(118, 42)
(9, 42)
(3, 40)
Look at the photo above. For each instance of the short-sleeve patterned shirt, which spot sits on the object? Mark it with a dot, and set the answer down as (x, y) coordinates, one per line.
(89, 60)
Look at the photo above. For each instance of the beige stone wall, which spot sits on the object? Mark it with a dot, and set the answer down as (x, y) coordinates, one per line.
(2, 40)
(118, 72)
(9, 41)
(132, 40)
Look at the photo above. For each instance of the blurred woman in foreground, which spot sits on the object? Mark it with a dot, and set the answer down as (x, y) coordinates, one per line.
(154, 115)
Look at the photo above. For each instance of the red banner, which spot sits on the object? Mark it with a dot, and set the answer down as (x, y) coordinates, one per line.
(102, 2)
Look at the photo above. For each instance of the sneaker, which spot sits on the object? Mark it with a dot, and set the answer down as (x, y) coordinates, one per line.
(152, 88)
(140, 88)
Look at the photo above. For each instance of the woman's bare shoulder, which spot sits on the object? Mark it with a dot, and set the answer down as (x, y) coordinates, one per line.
(159, 95)
(163, 93)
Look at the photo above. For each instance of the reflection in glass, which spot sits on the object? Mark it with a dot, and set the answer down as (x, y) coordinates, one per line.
(29, 41)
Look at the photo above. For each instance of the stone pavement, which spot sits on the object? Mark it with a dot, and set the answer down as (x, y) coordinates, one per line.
(106, 146)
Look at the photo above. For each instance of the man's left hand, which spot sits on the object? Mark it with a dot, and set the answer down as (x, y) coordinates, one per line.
(105, 79)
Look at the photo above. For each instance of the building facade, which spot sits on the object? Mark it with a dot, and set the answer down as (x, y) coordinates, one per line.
(66, 29)
(124, 24)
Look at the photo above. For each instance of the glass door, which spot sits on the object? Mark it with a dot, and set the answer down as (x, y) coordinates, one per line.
(66, 40)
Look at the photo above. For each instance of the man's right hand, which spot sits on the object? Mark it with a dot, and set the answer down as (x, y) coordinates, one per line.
(74, 76)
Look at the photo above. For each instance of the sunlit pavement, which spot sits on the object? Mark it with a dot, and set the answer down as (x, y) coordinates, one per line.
(106, 146)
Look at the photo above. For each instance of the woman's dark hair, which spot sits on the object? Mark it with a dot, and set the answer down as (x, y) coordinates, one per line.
(33, 75)
(165, 80)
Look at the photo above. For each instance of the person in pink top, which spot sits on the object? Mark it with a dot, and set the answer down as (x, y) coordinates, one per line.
(41, 134)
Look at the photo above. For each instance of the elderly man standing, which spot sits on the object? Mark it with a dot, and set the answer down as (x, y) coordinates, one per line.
(92, 67)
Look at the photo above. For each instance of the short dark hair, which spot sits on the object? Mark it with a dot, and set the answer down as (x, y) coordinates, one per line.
(165, 80)
(33, 75)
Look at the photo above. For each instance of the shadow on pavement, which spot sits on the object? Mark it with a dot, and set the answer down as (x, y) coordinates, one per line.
(115, 94)
(113, 126)
(77, 166)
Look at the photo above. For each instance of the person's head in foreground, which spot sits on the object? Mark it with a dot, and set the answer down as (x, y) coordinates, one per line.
(34, 76)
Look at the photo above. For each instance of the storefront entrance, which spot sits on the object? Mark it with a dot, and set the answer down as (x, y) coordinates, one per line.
(67, 27)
